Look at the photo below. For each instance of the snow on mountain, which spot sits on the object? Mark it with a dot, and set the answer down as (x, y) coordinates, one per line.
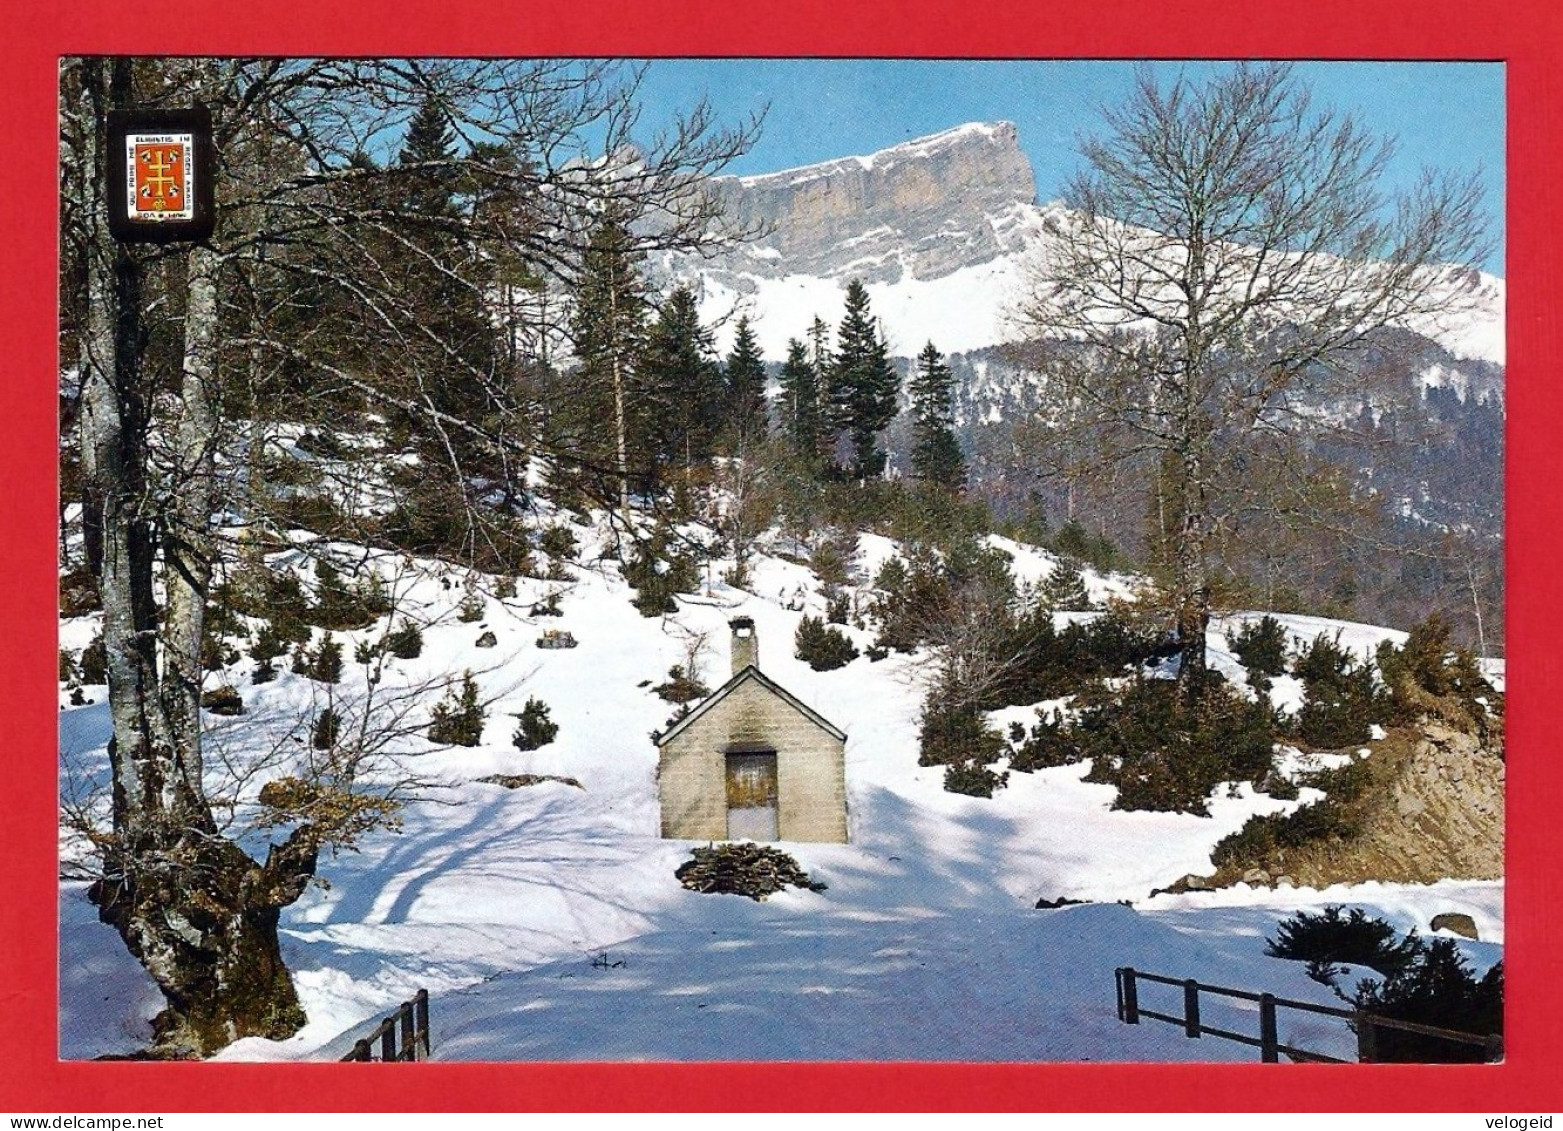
(547, 923)
(944, 231)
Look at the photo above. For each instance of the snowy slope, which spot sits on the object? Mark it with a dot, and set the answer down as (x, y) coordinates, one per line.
(924, 945)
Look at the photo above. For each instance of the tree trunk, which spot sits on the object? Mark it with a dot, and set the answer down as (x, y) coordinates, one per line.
(195, 909)
(1193, 574)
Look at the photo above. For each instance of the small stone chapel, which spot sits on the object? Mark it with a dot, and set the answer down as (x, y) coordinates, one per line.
(753, 762)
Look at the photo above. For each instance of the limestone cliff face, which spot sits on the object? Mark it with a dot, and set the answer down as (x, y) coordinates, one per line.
(923, 209)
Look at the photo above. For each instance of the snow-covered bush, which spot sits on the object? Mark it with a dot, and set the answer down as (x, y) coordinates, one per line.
(821, 647)
(457, 720)
(323, 734)
(973, 779)
(1350, 939)
(535, 728)
(405, 642)
(1166, 753)
(1261, 648)
(1342, 699)
(323, 663)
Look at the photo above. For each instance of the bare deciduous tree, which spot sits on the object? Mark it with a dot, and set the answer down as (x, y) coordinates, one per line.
(1230, 248)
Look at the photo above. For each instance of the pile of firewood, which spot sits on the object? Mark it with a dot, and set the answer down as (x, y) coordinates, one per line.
(743, 869)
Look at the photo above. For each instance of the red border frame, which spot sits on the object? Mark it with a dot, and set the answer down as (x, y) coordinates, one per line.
(1525, 36)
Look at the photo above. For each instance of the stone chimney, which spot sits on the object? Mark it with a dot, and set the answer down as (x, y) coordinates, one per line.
(746, 646)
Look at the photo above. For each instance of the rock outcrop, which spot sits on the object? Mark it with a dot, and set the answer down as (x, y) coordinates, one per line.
(1433, 810)
(920, 210)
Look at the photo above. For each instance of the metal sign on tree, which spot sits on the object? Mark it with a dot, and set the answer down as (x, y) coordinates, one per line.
(161, 167)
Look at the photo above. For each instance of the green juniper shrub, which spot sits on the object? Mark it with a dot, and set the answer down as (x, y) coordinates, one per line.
(314, 511)
(1074, 541)
(405, 642)
(829, 561)
(327, 725)
(264, 672)
(973, 779)
(535, 728)
(222, 617)
(224, 700)
(1437, 988)
(277, 596)
(837, 608)
(67, 666)
(471, 609)
(217, 653)
(1341, 699)
(1334, 818)
(914, 597)
(953, 731)
(94, 661)
(342, 605)
(558, 542)
(430, 517)
(681, 687)
(1427, 666)
(656, 573)
(823, 648)
(1260, 647)
(1049, 743)
(457, 720)
(323, 663)
(267, 644)
(1351, 938)
(1167, 753)
(1282, 788)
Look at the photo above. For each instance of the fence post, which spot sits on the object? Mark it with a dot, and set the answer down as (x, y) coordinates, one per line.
(1131, 998)
(1269, 1042)
(1367, 1039)
(361, 1050)
(1190, 1008)
(409, 1047)
(420, 1005)
(388, 1039)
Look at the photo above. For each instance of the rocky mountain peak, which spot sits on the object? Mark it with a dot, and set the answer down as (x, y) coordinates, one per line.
(921, 209)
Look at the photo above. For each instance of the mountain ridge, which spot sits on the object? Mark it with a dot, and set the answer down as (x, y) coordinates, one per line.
(942, 230)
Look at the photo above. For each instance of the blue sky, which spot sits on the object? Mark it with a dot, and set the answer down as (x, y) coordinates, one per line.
(1446, 115)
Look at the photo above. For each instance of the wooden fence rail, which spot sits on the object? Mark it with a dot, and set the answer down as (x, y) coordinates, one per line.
(1365, 1025)
(412, 1020)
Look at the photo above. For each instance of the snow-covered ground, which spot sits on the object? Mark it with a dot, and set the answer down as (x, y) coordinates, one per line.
(547, 923)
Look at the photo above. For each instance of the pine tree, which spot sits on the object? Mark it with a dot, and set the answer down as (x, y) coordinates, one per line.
(802, 420)
(608, 329)
(936, 456)
(863, 383)
(452, 352)
(1064, 591)
(746, 387)
(679, 414)
(429, 141)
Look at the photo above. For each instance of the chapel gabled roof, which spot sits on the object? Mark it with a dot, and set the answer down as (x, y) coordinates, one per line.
(754, 673)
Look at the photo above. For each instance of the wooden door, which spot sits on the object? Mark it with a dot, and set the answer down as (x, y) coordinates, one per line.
(751, 796)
